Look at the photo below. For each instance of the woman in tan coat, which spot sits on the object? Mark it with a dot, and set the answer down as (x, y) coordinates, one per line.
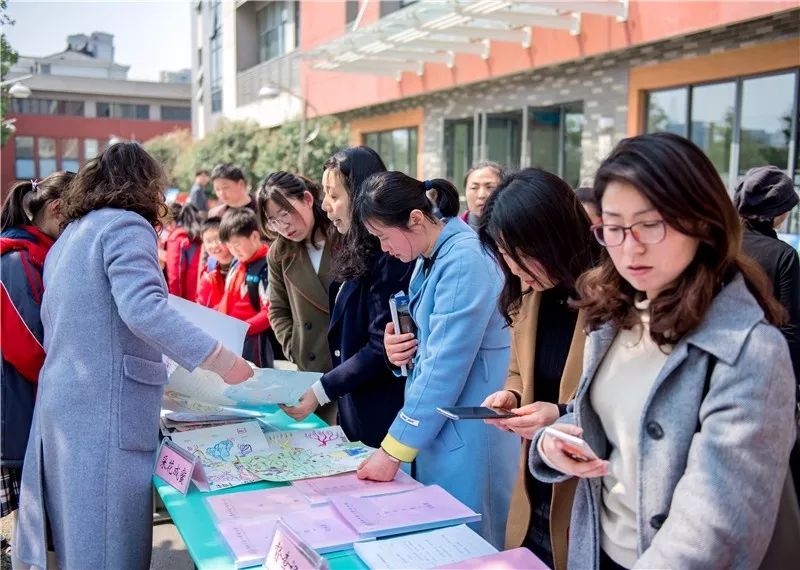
(299, 263)
(540, 235)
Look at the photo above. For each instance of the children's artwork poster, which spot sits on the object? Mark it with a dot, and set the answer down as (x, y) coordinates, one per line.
(304, 454)
(225, 452)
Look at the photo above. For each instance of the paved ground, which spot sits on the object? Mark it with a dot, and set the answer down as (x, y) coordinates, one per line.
(169, 551)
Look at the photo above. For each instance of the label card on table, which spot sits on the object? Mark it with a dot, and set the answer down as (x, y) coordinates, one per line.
(175, 466)
(289, 552)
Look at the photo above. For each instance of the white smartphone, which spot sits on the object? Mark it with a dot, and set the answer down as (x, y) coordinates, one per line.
(579, 449)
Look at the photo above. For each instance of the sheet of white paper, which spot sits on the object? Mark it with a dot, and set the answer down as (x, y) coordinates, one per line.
(424, 549)
(229, 331)
(267, 386)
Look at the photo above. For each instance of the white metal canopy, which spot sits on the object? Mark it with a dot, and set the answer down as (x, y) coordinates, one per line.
(434, 31)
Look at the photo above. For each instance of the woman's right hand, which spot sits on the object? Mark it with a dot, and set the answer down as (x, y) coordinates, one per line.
(557, 454)
(240, 372)
(232, 368)
(400, 348)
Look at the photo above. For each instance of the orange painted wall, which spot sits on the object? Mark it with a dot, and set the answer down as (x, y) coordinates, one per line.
(648, 21)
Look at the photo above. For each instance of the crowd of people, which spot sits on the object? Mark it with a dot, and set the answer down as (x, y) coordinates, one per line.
(650, 316)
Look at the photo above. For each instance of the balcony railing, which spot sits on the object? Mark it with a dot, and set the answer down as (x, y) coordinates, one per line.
(281, 72)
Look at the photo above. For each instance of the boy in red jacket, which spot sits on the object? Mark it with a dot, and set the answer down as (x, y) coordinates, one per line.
(246, 292)
(211, 287)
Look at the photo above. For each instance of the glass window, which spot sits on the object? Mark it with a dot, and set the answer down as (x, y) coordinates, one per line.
(103, 109)
(573, 143)
(277, 22)
(47, 156)
(713, 109)
(70, 155)
(458, 148)
(544, 138)
(143, 112)
(91, 148)
(23, 149)
(170, 113)
(398, 148)
(666, 111)
(504, 138)
(766, 123)
(215, 81)
(351, 11)
(71, 108)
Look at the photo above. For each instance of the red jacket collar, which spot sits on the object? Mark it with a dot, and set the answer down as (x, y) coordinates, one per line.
(262, 252)
(37, 248)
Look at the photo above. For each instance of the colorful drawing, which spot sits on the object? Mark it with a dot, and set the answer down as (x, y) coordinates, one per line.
(305, 454)
(222, 449)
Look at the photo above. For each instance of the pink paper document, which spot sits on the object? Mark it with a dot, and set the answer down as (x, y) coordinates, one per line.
(322, 529)
(420, 509)
(248, 540)
(515, 559)
(320, 489)
(256, 504)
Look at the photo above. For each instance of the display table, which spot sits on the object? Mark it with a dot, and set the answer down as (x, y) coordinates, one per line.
(194, 522)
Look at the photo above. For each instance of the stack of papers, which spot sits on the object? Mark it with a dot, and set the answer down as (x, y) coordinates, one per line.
(424, 550)
(515, 559)
(421, 509)
(252, 505)
(320, 489)
(323, 529)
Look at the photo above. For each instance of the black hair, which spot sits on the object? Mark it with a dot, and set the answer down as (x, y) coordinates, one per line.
(26, 199)
(496, 166)
(201, 172)
(585, 195)
(228, 172)
(390, 197)
(535, 214)
(279, 187)
(190, 219)
(237, 222)
(354, 165)
(211, 223)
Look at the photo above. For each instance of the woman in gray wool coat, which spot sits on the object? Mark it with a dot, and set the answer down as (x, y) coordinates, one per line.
(87, 477)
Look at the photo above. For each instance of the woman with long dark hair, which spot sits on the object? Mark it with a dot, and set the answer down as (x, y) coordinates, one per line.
(536, 228)
(687, 397)
(367, 393)
(458, 355)
(183, 248)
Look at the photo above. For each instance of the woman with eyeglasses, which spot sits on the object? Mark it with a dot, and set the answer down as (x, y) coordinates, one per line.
(458, 355)
(687, 395)
(299, 261)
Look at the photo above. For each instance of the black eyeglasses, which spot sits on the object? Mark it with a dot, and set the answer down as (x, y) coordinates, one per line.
(648, 233)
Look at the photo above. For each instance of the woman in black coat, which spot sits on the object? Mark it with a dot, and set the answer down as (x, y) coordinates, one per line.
(369, 395)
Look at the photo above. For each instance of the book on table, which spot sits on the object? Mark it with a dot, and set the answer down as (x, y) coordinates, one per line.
(249, 505)
(320, 489)
(514, 559)
(424, 550)
(420, 509)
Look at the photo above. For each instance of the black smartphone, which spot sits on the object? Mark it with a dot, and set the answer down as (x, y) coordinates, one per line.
(475, 413)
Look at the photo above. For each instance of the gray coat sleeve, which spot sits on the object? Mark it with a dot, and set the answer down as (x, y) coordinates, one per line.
(130, 258)
(539, 469)
(729, 491)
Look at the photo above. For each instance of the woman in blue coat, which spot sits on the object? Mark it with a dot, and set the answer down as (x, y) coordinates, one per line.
(459, 356)
(90, 456)
(367, 393)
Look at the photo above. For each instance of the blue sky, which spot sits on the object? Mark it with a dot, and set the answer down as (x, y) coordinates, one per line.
(150, 36)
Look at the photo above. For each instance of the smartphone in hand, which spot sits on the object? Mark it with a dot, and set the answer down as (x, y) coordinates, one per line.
(577, 448)
(475, 413)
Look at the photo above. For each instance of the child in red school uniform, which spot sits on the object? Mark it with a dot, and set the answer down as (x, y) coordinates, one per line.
(246, 295)
(211, 286)
(183, 249)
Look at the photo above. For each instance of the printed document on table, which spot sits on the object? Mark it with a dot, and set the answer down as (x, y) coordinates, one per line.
(425, 549)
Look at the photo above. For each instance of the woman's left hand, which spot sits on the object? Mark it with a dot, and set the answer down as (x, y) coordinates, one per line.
(379, 467)
(308, 405)
(531, 418)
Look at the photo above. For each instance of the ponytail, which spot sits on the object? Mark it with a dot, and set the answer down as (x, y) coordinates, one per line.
(446, 196)
(17, 206)
(390, 197)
